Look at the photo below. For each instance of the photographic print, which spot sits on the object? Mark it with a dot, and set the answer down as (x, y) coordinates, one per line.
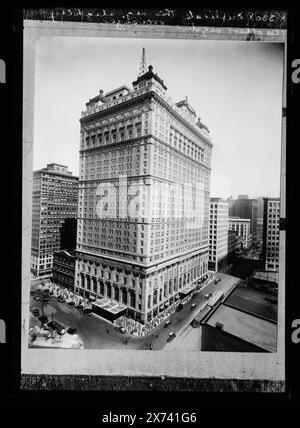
(156, 164)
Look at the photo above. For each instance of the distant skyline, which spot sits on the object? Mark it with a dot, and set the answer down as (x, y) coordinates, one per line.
(234, 87)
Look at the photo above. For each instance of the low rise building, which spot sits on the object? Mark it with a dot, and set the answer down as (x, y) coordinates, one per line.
(265, 280)
(246, 321)
(63, 273)
(242, 227)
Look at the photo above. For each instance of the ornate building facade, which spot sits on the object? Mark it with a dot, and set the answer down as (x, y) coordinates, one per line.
(143, 207)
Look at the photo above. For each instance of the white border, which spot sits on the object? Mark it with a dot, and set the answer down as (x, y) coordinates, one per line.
(222, 365)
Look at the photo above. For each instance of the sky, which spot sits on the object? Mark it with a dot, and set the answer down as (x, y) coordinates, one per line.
(235, 88)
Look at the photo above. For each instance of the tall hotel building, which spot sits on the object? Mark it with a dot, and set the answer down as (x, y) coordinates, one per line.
(270, 251)
(142, 236)
(218, 234)
(54, 199)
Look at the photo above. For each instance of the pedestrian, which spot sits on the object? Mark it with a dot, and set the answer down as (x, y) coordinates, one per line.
(157, 336)
(107, 331)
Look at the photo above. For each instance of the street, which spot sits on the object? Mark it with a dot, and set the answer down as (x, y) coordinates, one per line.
(97, 333)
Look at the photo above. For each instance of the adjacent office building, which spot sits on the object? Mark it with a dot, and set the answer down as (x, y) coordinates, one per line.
(54, 199)
(142, 235)
(270, 251)
(218, 234)
(242, 227)
(260, 215)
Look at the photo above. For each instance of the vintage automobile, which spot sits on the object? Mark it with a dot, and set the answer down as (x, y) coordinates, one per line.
(171, 336)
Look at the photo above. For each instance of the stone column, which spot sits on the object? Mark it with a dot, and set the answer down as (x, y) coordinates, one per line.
(112, 288)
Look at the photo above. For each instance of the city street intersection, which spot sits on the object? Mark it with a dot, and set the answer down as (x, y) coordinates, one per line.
(97, 333)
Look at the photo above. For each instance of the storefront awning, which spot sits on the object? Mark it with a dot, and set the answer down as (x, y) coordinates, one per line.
(109, 306)
(187, 290)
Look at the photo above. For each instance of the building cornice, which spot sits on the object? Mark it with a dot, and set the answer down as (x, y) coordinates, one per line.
(136, 101)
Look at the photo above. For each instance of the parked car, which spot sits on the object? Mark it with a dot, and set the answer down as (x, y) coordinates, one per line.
(71, 303)
(193, 306)
(72, 330)
(167, 323)
(61, 299)
(37, 298)
(208, 295)
(171, 336)
(217, 280)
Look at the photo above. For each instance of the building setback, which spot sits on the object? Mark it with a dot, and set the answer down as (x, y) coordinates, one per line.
(141, 240)
(54, 199)
(242, 227)
(270, 251)
(218, 234)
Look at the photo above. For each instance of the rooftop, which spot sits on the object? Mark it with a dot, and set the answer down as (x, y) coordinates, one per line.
(257, 302)
(148, 75)
(56, 169)
(234, 218)
(184, 103)
(269, 276)
(109, 306)
(247, 327)
(272, 199)
(218, 200)
(114, 91)
(65, 253)
(101, 102)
